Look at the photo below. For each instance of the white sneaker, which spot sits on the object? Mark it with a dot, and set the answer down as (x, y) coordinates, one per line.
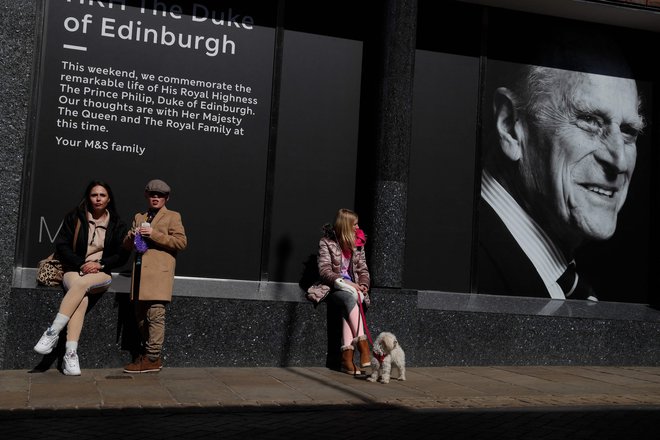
(46, 343)
(71, 364)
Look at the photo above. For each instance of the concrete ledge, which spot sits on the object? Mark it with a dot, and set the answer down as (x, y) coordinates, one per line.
(432, 300)
(25, 277)
(536, 306)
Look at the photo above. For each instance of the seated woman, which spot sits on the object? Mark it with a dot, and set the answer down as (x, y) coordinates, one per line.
(98, 232)
(344, 280)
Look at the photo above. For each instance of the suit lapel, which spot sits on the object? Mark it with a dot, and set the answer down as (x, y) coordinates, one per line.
(503, 267)
(159, 215)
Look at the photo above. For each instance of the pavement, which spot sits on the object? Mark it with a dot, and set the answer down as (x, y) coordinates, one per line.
(535, 402)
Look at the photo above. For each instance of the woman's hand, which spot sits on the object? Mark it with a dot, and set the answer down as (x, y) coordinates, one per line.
(90, 267)
(358, 287)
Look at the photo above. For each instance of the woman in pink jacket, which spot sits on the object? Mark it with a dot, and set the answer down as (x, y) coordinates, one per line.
(345, 278)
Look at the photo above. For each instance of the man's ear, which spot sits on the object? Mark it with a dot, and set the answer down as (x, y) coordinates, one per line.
(508, 124)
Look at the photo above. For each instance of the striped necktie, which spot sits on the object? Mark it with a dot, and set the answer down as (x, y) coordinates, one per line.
(574, 286)
(569, 280)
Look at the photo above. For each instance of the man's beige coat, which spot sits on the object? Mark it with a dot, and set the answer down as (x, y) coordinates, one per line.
(159, 261)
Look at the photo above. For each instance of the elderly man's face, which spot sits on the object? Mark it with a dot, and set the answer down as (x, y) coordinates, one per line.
(581, 153)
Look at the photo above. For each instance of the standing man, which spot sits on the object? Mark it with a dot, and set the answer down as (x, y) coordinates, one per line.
(157, 236)
(556, 174)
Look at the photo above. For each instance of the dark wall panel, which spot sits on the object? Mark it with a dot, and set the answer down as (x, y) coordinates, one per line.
(316, 159)
(180, 93)
(441, 181)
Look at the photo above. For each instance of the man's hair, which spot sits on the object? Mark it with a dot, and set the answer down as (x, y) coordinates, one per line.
(550, 51)
(533, 84)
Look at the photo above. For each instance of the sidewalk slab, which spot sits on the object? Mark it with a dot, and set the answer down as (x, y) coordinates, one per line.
(425, 388)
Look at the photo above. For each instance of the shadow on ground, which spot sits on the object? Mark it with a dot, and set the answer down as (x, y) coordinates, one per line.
(331, 422)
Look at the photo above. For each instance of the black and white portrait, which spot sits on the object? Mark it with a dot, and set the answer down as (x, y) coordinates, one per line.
(559, 156)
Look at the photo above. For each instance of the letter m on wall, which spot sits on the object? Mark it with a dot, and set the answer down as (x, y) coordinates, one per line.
(44, 226)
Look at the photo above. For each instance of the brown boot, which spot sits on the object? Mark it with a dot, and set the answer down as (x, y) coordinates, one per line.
(151, 366)
(135, 366)
(347, 365)
(144, 365)
(365, 352)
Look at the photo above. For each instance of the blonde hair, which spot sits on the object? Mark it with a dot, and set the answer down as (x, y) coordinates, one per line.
(343, 227)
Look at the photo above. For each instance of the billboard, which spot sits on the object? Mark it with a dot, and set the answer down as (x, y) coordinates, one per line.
(231, 103)
(132, 91)
(558, 178)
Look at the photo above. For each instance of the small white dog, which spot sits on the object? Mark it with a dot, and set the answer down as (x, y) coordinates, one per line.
(386, 353)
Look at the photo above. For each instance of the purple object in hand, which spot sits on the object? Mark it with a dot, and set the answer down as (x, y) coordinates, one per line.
(140, 245)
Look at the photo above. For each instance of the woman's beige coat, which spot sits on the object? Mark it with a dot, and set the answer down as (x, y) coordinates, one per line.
(159, 261)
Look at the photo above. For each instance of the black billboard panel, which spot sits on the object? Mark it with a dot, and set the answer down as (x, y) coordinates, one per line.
(131, 91)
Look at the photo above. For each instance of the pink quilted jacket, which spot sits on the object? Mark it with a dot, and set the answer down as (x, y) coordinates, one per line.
(329, 263)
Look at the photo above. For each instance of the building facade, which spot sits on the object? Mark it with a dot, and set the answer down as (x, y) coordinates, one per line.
(267, 119)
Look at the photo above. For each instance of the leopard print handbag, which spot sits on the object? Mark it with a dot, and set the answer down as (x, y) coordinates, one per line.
(50, 271)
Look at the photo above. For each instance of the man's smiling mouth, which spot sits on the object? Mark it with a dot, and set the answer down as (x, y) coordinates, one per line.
(601, 191)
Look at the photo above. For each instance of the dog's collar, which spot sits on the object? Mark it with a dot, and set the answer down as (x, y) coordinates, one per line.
(380, 357)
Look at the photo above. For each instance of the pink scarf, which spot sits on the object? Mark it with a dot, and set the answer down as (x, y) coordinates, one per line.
(360, 240)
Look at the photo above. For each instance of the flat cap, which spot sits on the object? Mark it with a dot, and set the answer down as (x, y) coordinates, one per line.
(157, 185)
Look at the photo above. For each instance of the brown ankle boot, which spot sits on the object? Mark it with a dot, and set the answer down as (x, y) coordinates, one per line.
(365, 353)
(347, 365)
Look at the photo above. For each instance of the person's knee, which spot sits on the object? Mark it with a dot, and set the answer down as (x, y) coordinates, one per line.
(99, 286)
(156, 313)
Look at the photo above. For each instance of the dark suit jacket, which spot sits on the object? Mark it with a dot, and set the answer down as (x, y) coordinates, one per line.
(502, 266)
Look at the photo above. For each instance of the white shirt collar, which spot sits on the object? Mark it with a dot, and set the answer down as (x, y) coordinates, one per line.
(548, 260)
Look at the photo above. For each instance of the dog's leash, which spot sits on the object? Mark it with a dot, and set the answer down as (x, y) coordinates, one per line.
(379, 356)
(364, 318)
(341, 285)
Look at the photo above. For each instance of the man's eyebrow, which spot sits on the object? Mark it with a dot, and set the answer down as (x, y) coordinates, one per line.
(636, 124)
(581, 107)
